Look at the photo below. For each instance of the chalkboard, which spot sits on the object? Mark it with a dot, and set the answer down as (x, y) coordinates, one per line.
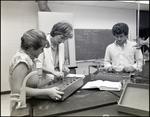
(91, 43)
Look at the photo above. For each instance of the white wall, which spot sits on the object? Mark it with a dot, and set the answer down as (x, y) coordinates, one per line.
(20, 16)
(16, 18)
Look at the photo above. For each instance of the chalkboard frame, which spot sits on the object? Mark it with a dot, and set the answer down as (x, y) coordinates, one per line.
(90, 44)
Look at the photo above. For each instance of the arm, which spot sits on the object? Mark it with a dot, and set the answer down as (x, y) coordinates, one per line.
(62, 67)
(51, 92)
(18, 76)
(139, 60)
(107, 60)
(147, 42)
(141, 42)
(50, 71)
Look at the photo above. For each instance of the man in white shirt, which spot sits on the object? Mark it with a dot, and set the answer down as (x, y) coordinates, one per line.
(122, 56)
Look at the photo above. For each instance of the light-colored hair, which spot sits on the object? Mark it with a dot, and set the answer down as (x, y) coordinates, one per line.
(33, 38)
(62, 28)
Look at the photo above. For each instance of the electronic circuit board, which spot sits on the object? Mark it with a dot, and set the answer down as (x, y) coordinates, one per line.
(102, 74)
(66, 84)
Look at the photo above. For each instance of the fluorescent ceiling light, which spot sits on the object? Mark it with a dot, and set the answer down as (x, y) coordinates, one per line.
(141, 2)
(144, 2)
(126, 1)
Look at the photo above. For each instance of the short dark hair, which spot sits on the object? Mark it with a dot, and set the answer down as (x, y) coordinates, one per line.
(120, 28)
(62, 28)
(33, 38)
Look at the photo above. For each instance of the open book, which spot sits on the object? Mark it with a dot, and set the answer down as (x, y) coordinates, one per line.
(103, 85)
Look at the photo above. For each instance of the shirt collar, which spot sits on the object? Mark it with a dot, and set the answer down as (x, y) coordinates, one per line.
(52, 44)
(54, 48)
(122, 45)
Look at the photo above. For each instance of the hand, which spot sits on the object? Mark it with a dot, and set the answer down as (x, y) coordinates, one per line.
(137, 46)
(54, 93)
(58, 74)
(110, 69)
(66, 69)
(140, 42)
(129, 69)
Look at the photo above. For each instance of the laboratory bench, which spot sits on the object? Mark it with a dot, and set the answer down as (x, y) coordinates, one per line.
(89, 102)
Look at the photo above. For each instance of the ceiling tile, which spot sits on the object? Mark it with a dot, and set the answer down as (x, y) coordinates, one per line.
(111, 4)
